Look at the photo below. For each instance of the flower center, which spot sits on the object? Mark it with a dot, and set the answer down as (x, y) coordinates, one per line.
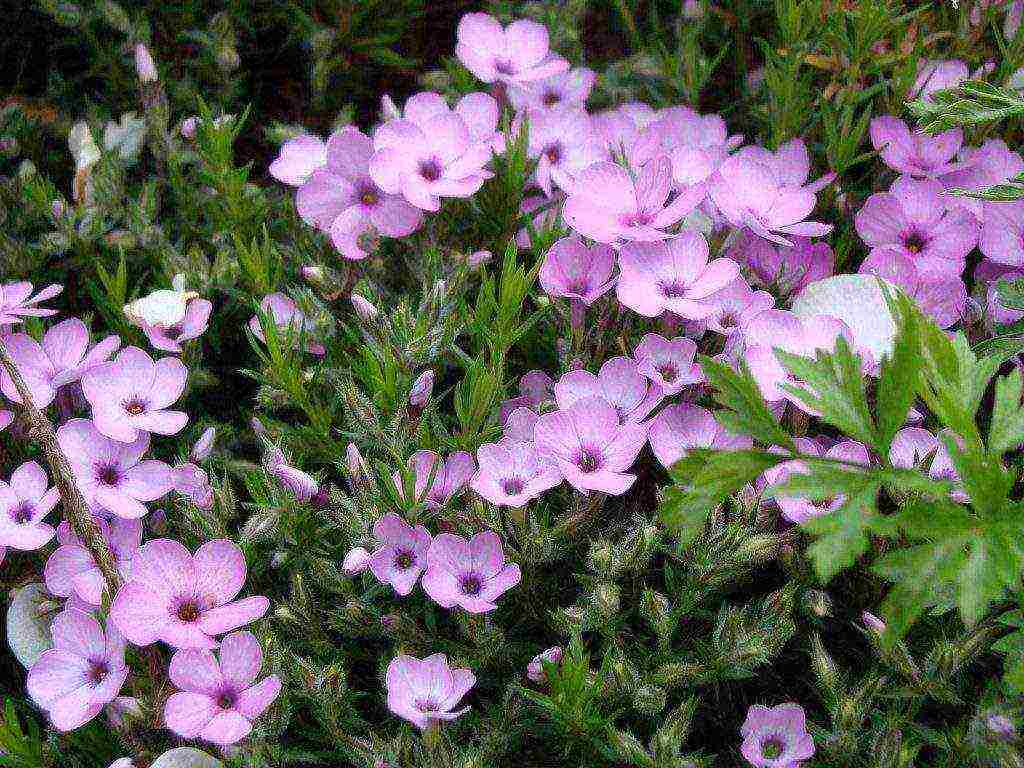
(673, 290)
(578, 287)
(668, 371)
(772, 747)
(174, 332)
(135, 406)
(22, 513)
(368, 194)
(470, 585)
(512, 486)
(108, 474)
(404, 559)
(431, 170)
(426, 704)
(97, 671)
(188, 612)
(728, 320)
(588, 461)
(226, 700)
(553, 153)
(504, 67)
(914, 242)
(638, 219)
(551, 98)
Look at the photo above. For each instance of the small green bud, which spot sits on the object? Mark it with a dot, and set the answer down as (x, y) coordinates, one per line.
(650, 700)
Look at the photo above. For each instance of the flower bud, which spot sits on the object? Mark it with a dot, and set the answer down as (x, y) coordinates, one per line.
(535, 669)
(872, 622)
(204, 445)
(388, 109)
(607, 599)
(365, 311)
(421, 390)
(145, 67)
(650, 700)
(8, 146)
(1000, 727)
(58, 208)
(356, 561)
(188, 127)
(479, 258)
(355, 463)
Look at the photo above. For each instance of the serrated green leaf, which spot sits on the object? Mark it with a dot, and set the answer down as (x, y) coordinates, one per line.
(1006, 428)
(842, 536)
(747, 413)
(897, 380)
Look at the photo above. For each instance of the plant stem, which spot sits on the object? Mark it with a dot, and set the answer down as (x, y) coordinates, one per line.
(75, 508)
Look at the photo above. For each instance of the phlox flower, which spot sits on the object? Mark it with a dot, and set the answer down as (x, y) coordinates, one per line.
(131, 395)
(469, 574)
(938, 75)
(572, 270)
(516, 54)
(72, 571)
(342, 199)
(25, 500)
(776, 737)
(1002, 233)
(915, 153)
(81, 673)
(204, 445)
(783, 269)
(193, 483)
(535, 389)
(112, 476)
(401, 555)
(917, 448)
(421, 390)
(298, 159)
(696, 144)
(164, 307)
(17, 302)
(301, 484)
(445, 477)
(736, 305)
(913, 216)
(564, 89)
(192, 326)
(590, 446)
(683, 426)
(284, 313)
(943, 298)
(535, 669)
(356, 561)
(62, 358)
(519, 426)
(512, 474)
(564, 142)
(218, 696)
(669, 364)
(620, 126)
(673, 276)
(749, 194)
(546, 212)
(790, 165)
(183, 599)
(986, 166)
(426, 691)
(479, 111)
(800, 510)
(620, 383)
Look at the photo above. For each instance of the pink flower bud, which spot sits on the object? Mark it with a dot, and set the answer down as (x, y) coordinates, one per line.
(479, 258)
(204, 445)
(872, 622)
(355, 463)
(145, 67)
(364, 309)
(535, 669)
(356, 561)
(421, 390)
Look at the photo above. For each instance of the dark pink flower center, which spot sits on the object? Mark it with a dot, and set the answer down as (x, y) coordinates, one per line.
(431, 170)
(588, 460)
(728, 320)
(97, 671)
(550, 98)
(404, 559)
(108, 474)
(914, 242)
(504, 67)
(772, 747)
(368, 194)
(23, 512)
(638, 219)
(669, 372)
(188, 612)
(135, 406)
(227, 700)
(470, 584)
(174, 332)
(426, 704)
(553, 152)
(578, 286)
(673, 290)
(512, 486)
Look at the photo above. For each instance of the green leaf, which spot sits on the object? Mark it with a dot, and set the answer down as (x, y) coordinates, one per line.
(746, 411)
(992, 566)
(1006, 429)
(842, 536)
(984, 478)
(897, 380)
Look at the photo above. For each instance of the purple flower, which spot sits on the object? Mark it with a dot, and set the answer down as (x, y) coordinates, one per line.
(547, 212)
(511, 473)
(800, 510)
(917, 448)
(342, 199)
(71, 569)
(790, 165)
(438, 157)
(591, 447)
(24, 502)
(298, 160)
(872, 622)
(470, 574)
(301, 484)
(535, 669)
(111, 475)
(1002, 233)
(218, 696)
(194, 484)
(672, 276)
(519, 426)
(736, 305)
(130, 396)
(938, 75)
(145, 67)
(17, 302)
(608, 206)
(913, 216)
(535, 389)
(917, 153)
(421, 390)
(750, 195)
(426, 691)
(192, 326)
(83, 671)
(683, 426)
(286, 315)
(620, 127)
(996, 312)
(401, 555)
(449, 477)
(564, 143)
(62, 358)
(356, 561)
(619, 383)
(364, 309)
(776, 737)
(565, 89)
(204, 445)
(784, 269)
(572, 270)
(183, 599)
(519, 53)
(986, 166)
(479, 111)
(668, 364)
(943, 298)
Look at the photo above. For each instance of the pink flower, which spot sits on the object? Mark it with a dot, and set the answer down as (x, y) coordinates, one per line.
(564, 143)
(913, 217)
(204, 445)
(776, 737)
(986, 166)
(192, 326)
(784, 269)
(130, 396)
(938, 75)
(356, 561)
(71, 569)
(24, 502)
(917, 153)
(299, 159)
(479, 111)
(672, 276)
(193, 483)
(183, 599)
(449, 477)
(301, 484)
(511, 473)
(621, 126)
(683, 426)
(790, 165)
(572, 270)
(1002, 233)
(111, 475)
(519, 426)
(800, 510)
(470, 574)
(17, 302)
(421, 390)
(81, 673)
(145, 67)
(917, 448)
(750, 195)
(535, 389)
(218, 696)
(942, 298)
(286, 315)
(401, 555)
(619, 383)
(62, 358)
(668, 364)
(608, 206)
(591, 448)
(516, 54)
(736, 305)
(535, 669)
(565, 89)
(342, 199)
(425, 692)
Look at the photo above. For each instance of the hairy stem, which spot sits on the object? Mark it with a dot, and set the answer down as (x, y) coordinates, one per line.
(75, 509)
